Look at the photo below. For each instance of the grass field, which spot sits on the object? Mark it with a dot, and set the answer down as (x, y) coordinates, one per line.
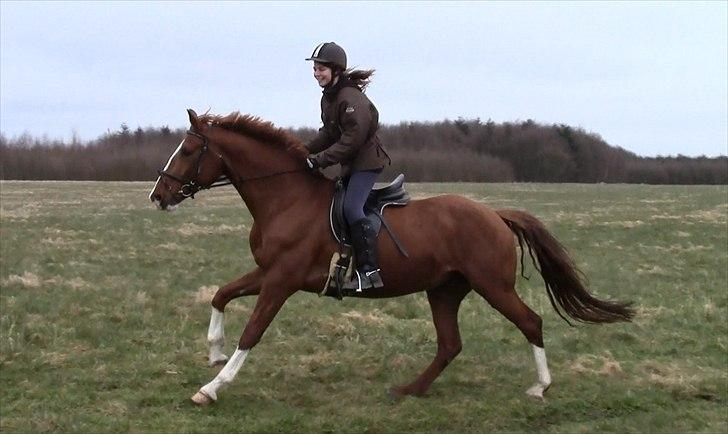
(105, 306)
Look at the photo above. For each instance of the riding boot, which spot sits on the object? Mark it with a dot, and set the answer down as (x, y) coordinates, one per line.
(364, 241)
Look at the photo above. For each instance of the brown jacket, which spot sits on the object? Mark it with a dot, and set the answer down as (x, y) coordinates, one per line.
(348, 136)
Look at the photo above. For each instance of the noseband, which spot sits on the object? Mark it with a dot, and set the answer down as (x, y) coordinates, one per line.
(191, 187)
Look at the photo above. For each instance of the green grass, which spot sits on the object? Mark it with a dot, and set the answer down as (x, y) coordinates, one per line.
(105, 304)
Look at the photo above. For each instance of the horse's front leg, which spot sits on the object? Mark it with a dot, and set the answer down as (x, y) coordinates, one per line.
(246, 285)
(271, 298)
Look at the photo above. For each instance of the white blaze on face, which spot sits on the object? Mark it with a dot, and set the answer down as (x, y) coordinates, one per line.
(176, 151)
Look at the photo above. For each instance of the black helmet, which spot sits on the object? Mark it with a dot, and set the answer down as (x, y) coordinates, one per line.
(329, 52)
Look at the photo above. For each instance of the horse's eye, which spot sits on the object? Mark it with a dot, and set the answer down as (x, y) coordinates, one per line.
(185, 152)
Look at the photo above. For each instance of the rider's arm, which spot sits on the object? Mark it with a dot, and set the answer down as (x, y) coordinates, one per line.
(355, 117)
(322, 141)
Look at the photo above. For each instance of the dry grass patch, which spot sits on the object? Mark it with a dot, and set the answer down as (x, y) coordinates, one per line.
(600, 365)
(317, 360)
(623, 224)
(170, 246)
(34, 320)
(334, 326)
(375, 317)
(78, 283)
(54, 358)
(44, 424)
(141, 298)
(27, 279)
(403, 361)
(189, 229)
(680, 375)
(580, 218)
(654, 269)
(204, 294)
(113, 408)
(676, 248)
(646, 314)
(21, 213)
(666, 217)
(347, 323)
(659, 201)
(715, 215)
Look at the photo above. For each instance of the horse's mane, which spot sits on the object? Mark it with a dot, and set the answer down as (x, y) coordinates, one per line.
(253, 126)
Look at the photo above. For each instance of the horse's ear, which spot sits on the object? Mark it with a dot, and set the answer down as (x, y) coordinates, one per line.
(194, 122)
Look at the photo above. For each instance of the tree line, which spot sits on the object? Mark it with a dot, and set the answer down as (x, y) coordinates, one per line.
(459, 150)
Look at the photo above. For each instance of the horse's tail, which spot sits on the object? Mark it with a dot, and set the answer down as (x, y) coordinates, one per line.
(564, 284)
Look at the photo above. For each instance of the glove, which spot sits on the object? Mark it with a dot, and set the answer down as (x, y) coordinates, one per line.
(312, 164)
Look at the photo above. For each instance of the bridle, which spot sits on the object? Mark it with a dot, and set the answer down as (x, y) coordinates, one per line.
(192, 187)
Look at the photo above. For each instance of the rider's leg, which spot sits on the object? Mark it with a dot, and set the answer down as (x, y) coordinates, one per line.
(363, 237)
(357, 192)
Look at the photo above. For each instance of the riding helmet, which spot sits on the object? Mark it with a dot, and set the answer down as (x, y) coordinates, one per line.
(330, 53)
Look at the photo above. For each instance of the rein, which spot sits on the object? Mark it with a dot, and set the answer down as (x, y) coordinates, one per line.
(192, 187)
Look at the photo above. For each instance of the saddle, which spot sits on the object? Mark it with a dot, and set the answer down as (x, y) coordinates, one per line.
(379, 198)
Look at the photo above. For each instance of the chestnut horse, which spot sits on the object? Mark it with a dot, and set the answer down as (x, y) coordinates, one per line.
(455, 245)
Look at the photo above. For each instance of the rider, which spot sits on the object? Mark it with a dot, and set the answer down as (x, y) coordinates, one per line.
(348, 137)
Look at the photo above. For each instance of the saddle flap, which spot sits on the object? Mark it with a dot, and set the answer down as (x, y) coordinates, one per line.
(391, 194)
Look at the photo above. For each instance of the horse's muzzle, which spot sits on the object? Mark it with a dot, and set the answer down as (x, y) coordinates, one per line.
(161, 204)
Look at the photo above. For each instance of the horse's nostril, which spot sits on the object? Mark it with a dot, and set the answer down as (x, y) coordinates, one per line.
(155, 197)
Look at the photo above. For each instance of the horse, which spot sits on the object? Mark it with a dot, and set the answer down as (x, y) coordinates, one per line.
(455, 245)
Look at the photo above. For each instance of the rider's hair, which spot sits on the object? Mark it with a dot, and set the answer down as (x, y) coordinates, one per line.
(360, 77)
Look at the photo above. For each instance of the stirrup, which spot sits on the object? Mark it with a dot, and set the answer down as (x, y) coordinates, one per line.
(364, 280)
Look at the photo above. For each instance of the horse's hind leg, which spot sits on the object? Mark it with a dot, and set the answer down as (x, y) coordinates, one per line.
(444, 303)
(246, 285)
(503, 297)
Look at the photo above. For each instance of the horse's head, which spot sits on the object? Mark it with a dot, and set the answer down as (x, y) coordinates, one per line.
(195, 165)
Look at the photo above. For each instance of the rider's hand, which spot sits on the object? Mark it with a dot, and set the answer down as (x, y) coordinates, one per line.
(312, 164)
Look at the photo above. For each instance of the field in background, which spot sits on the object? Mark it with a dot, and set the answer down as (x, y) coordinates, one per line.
(105, 305)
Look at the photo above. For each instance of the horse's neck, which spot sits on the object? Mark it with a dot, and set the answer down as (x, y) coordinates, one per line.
(270, 181)
(274, 196)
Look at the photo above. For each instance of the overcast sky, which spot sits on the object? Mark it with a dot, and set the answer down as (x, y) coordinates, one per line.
(651, 77)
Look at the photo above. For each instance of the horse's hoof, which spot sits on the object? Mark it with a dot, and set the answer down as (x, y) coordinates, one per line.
(201, 398)
(395, 394)
(219, 361)
(401, 392)
(537, 390)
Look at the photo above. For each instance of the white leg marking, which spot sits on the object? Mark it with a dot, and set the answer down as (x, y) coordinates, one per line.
(216, 337)
(226, 375)
(544, 377)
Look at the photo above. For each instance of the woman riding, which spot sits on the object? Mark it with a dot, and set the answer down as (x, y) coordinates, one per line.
(348, 137)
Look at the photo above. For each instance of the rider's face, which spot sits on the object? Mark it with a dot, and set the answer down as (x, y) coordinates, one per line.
(322, 73)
